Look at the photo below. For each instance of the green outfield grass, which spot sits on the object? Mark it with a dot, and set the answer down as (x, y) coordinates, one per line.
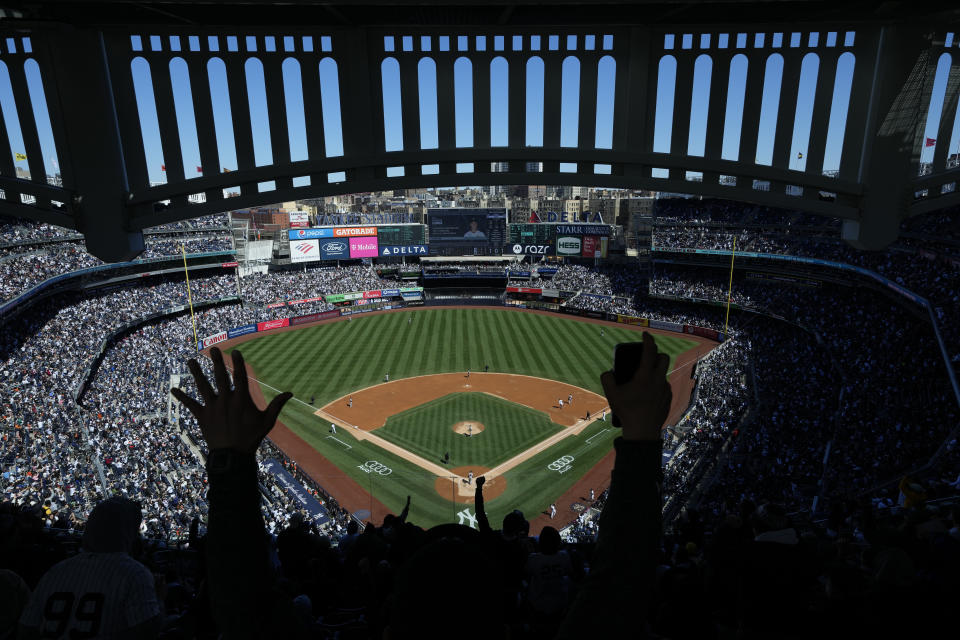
(509, 429)
(331, 360)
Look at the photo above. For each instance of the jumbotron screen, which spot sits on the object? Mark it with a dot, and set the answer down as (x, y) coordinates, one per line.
(467, 231)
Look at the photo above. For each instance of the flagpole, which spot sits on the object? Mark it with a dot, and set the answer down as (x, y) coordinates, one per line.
(186, 274)
(730, 286)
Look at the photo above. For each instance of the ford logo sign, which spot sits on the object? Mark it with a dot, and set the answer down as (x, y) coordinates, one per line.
(335, 246)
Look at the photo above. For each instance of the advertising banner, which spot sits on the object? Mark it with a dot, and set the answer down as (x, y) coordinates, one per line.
(241, 331)
(273, 324)
(634, 320)
(523, 290)
(332, 249)
(583, 229)
(390, 293)
(590, 246)
(212, 340)
(353, 296)
(307, 234)
(227, 265)
(301, 498)
(568, 245)
(414, 303)
(364, 247)
(593, 314)
(669, 326)
(334, 297)
(372, 294)
(314, 317)
(274, 305)
(305, 251)
(701, 331)
(354, 232)
(299, 220)
(550, 293)
(527, 249)
(305, 301)
(411, 289)
(406, 250)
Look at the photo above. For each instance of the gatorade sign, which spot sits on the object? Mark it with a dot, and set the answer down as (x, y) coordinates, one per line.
(568, 246)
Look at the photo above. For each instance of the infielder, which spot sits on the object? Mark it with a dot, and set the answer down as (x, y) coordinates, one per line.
(470, 477)
(603, 416)
(553, 511)
(350, 402)
(570, 399)
(560, 402)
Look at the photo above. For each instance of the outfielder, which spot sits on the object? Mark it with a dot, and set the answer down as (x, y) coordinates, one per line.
(333, 428)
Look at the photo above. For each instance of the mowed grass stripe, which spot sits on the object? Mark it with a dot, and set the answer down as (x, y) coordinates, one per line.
(509, 429)
(350, 354)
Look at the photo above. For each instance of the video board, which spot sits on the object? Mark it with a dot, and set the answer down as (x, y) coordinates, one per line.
(401, 234)
(570, 240)
(481, 231)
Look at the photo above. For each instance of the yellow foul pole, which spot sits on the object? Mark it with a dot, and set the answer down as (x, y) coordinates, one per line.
(186, 274)
(730, 286)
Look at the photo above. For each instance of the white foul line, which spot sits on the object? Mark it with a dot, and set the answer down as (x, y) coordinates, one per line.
(341, 442)
(597, 435)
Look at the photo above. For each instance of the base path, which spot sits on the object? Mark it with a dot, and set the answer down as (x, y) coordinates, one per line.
(373, 405)
(335, 482)
(353, 497)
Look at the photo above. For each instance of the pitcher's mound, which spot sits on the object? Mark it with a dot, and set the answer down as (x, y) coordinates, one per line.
(468, 427)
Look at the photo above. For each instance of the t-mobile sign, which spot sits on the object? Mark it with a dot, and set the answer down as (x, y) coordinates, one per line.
(363, 247)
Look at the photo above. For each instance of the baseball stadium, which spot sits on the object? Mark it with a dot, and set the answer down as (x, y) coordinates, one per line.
(424, 319)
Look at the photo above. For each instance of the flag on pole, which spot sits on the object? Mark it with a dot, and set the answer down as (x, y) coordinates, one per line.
(20, 156)
(163, 167)
(800, 155)
(199, 169)
(931, 142)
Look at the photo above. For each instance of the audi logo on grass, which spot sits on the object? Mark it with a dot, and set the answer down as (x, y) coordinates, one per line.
(372, 466)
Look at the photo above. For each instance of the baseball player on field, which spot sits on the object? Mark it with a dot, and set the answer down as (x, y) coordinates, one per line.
(570, 399)
(333, 428)
(350, 402)
(553, 511)
(102, 592)
(560, 402)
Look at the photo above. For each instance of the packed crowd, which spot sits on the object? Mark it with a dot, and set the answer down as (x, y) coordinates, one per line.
(927, 263)
(23, 266)
(296, 284)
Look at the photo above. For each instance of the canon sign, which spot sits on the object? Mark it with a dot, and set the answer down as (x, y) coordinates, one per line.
(520, 249)
(568, 245)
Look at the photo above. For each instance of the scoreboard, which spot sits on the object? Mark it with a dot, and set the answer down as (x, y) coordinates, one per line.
(401, 234)
(532, 233)
(572, 240)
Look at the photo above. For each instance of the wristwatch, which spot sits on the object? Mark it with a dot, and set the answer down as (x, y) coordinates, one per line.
(222, 460)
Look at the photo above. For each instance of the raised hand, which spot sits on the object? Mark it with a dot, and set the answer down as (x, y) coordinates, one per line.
(229, 419)
(643, 402)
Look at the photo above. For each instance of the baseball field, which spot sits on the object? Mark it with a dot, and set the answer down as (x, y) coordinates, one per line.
(432, 428)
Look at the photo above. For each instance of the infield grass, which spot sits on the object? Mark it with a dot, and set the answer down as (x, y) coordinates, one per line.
(509, 429)
(331, 360)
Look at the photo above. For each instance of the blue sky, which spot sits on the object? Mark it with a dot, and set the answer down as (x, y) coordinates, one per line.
(532, 72)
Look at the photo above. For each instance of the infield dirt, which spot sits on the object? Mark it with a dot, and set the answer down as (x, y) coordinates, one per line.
(354, 497)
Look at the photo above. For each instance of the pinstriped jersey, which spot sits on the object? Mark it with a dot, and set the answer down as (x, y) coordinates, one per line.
(92, 595)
